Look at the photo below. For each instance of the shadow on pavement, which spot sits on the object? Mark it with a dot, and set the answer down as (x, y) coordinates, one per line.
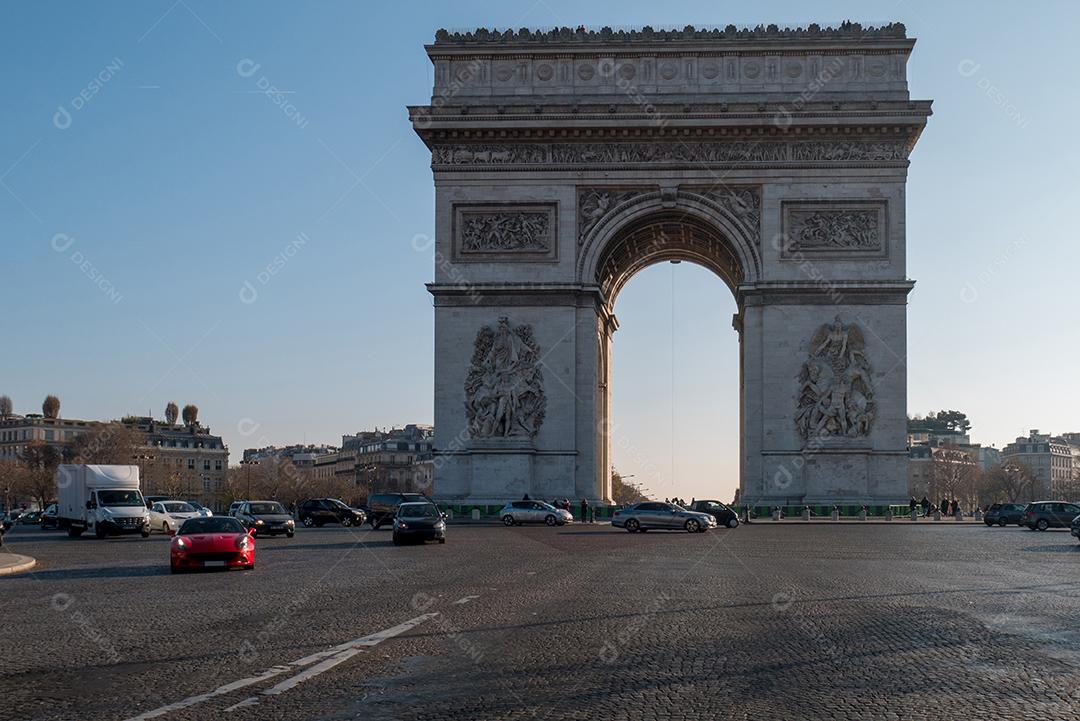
(1059, 548)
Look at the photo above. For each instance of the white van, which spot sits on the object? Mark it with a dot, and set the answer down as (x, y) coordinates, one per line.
(102, 499)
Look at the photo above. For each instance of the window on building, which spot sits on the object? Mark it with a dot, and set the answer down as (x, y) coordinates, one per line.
(217, 465)
(206, 484)
(191, 463)
(206, 465)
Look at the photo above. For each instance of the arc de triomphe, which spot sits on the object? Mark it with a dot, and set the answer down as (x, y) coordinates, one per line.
(567, 160)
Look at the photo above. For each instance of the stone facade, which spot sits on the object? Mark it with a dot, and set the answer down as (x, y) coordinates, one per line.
(567, 161)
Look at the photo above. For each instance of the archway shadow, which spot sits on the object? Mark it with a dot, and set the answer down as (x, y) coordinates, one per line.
(1061, 548)
(61, 574)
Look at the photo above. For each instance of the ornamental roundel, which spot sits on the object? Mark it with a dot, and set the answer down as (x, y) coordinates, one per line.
(752, 69)
(668, 71)
(545, 72)
(793, 70)
(627, 71)
(710, 71)
(586, 72)
(504, 73)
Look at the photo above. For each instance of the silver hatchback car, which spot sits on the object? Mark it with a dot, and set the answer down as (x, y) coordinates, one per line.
(648, 515)
(517, 512)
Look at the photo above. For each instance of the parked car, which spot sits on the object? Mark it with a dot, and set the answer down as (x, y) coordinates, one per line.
(383, 506)
(421, 521)
(50, 517)
(1075, 527)
(234, 505)
(724, 516)
(517, 512)
(320, 511)
(648, 515)
(167, 516)
(1050, 514)
(203, 542)
(266, 517)
(151, 500)
(1002, 514)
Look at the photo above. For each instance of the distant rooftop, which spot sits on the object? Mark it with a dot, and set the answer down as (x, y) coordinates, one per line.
(846, 30)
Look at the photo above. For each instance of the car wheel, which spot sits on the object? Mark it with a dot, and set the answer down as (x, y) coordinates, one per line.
(346, 521)
(174, 569)
(307, 521)
(1002, 522)
(551, 520)
(692, 526)
(1042, 525)
(74, 532)
(442, 540)
(99, 531)
(397, 541)
(165, 528)
(632, 525)
(145, 533)
(508, 520)
(289, 534)
(733, 523)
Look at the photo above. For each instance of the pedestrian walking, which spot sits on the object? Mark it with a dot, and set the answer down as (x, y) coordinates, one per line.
(584, 510)
(925, 506)
(525, 497)
(911, 506)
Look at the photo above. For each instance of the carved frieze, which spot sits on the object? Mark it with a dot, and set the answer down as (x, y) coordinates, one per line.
(836, 393)
(730, 152)
(484, 232)
(843, 228)
(504, 388)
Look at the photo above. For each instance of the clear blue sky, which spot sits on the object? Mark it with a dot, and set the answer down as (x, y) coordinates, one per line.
(132, 219)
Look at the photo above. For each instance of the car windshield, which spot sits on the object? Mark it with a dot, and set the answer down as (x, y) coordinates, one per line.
(178, 507)
(120, 498)
(418, 510)
(267, 509)
(216, 524)
(336, 503)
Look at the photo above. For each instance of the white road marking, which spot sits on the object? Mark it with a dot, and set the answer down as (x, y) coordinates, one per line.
(250, 701)
(465, 600)
(329, 658)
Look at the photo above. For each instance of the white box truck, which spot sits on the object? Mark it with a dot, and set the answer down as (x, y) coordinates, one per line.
(103, 499)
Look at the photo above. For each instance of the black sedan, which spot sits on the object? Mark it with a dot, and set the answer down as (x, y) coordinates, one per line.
(266, 518)
(419, 522)
(724, 516)
(1002, 514)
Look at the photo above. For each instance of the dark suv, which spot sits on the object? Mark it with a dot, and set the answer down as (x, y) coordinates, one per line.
(320, 511)
(1002, 514)
(724, 516)
(382, 507)
(1050, 514)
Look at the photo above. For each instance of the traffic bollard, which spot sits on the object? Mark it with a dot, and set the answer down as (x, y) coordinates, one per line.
(914, 515)
(806, 513)
(476, 514)
(835, 513)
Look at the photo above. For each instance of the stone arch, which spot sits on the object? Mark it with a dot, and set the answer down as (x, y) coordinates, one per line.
(654, 227)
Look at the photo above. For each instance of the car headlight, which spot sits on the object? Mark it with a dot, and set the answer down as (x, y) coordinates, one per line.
(243, 542)
(181, 542)
(440, 525)
(400, 524)
(107, 513)
(259, 521)
(290, 522)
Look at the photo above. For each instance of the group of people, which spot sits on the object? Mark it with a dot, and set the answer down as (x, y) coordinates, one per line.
(679, 502)
(948, 507)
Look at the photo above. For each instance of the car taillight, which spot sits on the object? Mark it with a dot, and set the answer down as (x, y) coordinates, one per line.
(617, 513)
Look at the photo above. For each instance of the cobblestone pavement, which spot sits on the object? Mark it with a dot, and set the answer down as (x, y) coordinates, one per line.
(779, 621)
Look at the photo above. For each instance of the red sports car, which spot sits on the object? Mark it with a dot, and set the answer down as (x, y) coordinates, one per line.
(217, 541)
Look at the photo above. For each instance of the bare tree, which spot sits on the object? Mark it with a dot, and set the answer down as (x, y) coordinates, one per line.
(50, 407)
(171, 413)
(623, 493)
(110, 443)
(5, 407)
(190, 414)
(955, 475)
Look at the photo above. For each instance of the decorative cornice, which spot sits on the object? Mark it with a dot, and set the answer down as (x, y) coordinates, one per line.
(564, 35)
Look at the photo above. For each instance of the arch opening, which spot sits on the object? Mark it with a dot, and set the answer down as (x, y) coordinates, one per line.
(666, 236)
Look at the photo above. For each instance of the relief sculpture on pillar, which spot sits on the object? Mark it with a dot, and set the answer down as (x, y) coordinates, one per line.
(504, 389)
(836, 396)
